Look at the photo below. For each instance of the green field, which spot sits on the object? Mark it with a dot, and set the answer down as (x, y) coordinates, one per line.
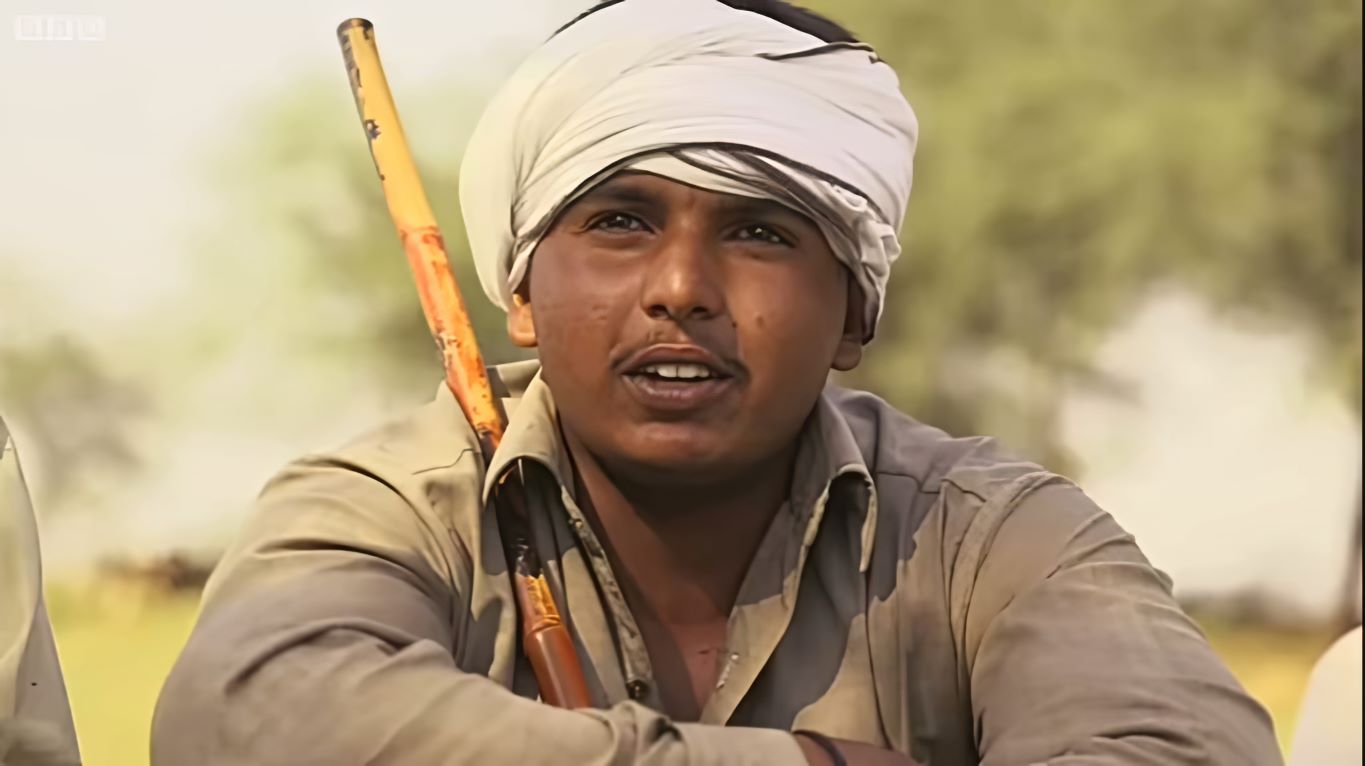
(116, 648)
(118, 644)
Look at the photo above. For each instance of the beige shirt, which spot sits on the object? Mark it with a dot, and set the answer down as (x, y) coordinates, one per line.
(919, 592)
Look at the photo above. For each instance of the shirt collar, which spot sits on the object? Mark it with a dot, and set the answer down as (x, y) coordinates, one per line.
(532, 434)
(828, 452)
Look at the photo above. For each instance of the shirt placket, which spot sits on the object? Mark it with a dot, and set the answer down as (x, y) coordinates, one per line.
(759, 621)
(636, 670)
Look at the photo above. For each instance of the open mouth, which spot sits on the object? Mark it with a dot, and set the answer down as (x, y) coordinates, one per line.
(682, 372)
(678, 387)
(680, 379)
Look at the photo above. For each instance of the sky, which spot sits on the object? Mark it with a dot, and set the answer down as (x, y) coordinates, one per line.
(1230, 467)
(104, 137)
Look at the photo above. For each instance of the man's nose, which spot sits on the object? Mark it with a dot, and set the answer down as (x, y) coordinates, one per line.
(683, 278)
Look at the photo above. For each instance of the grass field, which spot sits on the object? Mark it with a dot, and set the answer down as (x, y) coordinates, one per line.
(116, 648)
(117, 644)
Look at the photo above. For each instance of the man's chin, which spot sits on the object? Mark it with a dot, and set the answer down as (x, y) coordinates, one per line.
(673, 456)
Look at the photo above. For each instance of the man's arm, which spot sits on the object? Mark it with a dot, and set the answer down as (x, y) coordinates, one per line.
(328, 637)
(1079, 654)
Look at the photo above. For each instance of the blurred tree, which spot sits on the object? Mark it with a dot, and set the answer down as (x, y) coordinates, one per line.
(77, 417)
(1076, 154)
(338, 288)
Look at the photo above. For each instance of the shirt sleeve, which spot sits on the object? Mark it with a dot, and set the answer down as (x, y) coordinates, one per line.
(1079, 655)
(328, 636)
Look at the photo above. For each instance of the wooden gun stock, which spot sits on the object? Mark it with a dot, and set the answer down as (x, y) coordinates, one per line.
(545, 639)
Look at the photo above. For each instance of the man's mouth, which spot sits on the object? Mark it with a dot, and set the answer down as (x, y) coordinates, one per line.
(681, 372)
(678, 378)
(661, 392)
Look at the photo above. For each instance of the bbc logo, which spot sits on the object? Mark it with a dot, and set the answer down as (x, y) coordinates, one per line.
(58, 27)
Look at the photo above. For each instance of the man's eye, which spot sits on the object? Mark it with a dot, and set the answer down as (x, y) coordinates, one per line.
(619, 222)
(762, 233)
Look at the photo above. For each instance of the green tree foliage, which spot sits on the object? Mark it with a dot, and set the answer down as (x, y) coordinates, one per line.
(77, 417)
(1076, 153)
(336, 288)
(77, 414)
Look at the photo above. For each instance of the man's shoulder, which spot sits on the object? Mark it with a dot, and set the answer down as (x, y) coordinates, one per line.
(424, 463)
(897, 446)
(431, 436)
(1005, 522)
(979, 499)
(421, 438)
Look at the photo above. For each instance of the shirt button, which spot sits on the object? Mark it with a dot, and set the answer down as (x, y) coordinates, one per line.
(637, 689)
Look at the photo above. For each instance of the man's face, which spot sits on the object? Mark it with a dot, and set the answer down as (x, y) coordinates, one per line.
(684, 333)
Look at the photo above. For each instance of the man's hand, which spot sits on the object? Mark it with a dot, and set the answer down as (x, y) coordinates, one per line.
(854, 753)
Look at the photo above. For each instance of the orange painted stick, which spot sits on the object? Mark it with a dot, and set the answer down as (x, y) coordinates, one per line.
(442, 303)
(545, 639)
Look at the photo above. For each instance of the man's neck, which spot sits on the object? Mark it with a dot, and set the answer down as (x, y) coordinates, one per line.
(682, 553)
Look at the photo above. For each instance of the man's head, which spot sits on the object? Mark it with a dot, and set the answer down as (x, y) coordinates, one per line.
(684, 329)
(699, 226)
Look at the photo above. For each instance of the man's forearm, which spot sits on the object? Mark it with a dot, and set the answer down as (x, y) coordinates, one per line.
(345, 696)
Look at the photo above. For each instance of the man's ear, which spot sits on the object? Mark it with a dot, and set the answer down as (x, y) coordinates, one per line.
(521, 322)
(849, 352)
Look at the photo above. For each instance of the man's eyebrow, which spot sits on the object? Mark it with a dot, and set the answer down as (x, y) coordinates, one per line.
(623, 191)
(763, 207)
(741, 204)
(620, 192)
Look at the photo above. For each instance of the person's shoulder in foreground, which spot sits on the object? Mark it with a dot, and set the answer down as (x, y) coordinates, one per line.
(35, 717)
(1329, 717)
(755, 567)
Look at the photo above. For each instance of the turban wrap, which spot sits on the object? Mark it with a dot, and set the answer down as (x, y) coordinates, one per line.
(696, 91)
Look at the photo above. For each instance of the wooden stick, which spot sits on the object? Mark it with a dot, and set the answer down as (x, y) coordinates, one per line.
(545, 639)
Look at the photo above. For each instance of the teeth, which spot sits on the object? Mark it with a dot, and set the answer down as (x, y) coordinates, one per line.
(682, 371)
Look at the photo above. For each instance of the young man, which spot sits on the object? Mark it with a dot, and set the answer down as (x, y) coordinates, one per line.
(689, 208)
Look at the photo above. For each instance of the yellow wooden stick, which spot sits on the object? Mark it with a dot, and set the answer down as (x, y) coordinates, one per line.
(444, 307)
(545, 638)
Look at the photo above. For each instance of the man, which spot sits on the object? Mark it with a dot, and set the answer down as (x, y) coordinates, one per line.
(689, 208)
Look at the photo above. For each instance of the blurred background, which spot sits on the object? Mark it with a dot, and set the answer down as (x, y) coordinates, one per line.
(1133, 252)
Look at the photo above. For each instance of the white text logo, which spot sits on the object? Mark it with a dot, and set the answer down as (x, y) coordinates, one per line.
(58, 27)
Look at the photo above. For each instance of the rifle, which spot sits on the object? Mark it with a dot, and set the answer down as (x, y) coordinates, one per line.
(544, 638)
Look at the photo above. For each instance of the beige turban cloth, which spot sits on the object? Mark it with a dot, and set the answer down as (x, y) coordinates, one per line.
(693, 90)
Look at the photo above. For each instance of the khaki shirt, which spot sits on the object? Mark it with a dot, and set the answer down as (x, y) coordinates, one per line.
(919, 592)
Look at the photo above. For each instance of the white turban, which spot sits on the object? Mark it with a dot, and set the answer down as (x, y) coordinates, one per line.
(694, 90)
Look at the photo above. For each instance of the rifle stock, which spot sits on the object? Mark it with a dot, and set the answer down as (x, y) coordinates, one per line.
(545, 639)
